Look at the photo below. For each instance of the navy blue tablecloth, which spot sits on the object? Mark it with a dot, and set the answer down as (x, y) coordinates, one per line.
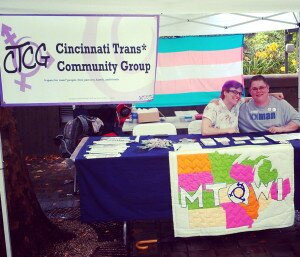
(136, 186)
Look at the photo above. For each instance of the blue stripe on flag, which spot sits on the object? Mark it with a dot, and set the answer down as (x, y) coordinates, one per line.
(203, 43)
(183, 99)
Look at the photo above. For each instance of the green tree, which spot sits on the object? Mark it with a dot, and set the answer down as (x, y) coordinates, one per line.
(264, 53)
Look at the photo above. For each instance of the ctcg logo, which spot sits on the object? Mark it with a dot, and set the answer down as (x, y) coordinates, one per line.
(23, 57)
(18, 56)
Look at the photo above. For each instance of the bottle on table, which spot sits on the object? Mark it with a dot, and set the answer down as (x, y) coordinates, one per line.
(134, 114)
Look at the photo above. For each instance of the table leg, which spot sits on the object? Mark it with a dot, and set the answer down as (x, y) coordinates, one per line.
(125, 233)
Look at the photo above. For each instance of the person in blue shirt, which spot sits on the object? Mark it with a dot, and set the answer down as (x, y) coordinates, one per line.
(265, 112)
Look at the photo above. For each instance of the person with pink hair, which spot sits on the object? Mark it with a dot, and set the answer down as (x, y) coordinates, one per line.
(221, 117)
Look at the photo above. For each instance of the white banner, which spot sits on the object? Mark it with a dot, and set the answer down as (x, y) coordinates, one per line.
(229, 190)
(48, 60)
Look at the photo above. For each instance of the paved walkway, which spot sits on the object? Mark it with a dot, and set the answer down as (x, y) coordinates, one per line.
(271, 243)
(52, 180)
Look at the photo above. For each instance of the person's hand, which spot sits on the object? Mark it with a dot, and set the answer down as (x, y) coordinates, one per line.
(274, 129)
(247, 99)
(279, 96)
(230, 130)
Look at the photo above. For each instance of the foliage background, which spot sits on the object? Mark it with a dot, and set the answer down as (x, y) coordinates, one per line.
(264, 53)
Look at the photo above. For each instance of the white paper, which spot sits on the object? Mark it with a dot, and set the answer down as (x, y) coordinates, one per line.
(259, 141)
(187, 146)
(108, 142)
(94, 156)
(120, 139)
(208, 141)
(137, 139)
(284, 137)
(222, 139)
(107, 146)
(241, 138)
(239, 142)
(106, 151)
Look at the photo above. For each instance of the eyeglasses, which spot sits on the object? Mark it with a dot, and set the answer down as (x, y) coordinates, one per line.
(235, 92)
(261, 88)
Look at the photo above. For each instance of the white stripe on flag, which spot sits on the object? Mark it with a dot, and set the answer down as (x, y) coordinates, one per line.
(199, 71)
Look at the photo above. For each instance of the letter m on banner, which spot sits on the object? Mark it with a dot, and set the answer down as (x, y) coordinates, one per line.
(191, 70)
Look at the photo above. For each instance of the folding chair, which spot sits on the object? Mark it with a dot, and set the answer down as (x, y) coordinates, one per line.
(194, 127)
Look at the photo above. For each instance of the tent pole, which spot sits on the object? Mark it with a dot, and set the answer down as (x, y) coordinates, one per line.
(4, 205)
(298, 71)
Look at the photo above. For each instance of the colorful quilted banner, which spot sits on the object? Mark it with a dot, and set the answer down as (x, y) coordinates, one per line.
(192, 70)
(229, 190)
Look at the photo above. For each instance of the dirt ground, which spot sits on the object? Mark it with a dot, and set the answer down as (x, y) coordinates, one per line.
(52, 180)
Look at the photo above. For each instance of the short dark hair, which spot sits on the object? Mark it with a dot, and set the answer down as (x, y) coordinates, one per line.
(228, 84)
(258, 78)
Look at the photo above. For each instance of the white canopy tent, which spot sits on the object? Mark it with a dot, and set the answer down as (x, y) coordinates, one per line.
(226, 23)
(177, 18)
(148, 7)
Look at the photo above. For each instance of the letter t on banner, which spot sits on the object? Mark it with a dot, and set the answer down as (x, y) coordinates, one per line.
(4, 205)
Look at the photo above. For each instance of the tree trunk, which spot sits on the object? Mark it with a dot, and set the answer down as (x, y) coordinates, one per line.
(30, 229)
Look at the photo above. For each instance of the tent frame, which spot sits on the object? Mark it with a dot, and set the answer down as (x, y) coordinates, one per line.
(253, 17)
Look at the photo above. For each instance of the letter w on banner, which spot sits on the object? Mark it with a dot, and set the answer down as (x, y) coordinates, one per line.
(191, 70)
(229, 190)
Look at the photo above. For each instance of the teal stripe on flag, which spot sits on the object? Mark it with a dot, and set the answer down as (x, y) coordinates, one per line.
(200, 43)
(183, 99)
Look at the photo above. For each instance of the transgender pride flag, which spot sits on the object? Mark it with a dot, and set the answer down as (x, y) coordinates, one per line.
(191, 70)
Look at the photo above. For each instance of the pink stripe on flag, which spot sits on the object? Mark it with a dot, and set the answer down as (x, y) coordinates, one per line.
(199, 57)
(193, 85)
(191, 182)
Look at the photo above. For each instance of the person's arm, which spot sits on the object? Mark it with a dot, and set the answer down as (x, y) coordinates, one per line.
(247, 99)
(291, 126)
(279, 95)
(207, 128)
(289, 116)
